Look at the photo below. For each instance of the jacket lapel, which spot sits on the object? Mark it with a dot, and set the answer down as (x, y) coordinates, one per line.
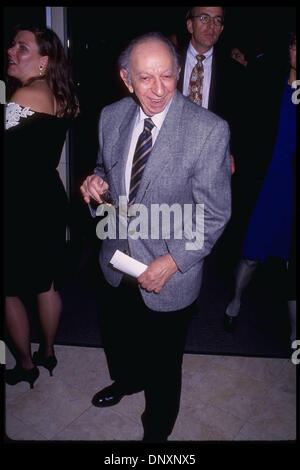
(214, 84)
(167, 143)
(121, 148)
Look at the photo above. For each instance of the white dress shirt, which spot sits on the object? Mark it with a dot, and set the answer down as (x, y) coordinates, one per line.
(190, 63)
(157, 120)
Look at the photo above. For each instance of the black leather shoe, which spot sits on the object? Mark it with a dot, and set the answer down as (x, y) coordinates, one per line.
(229, 323)
(109, 396)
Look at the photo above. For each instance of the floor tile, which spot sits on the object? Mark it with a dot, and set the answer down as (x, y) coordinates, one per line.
(15, 429)
(204, 422)
(101, 424)
(251, 432)
(49, 407)
(224, 398)
(131, 406)
(276, 414)
(88, 365)
(27, 433)
(266, 369)
(226, 389)
(197, 364)
(286, 381)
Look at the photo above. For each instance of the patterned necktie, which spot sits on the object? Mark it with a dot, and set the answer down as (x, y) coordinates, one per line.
(141, 155)
(196, 81)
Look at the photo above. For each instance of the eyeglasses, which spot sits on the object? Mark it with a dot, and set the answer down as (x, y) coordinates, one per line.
(205, 19)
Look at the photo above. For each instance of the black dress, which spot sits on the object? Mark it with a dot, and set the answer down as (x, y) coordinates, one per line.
(35, 201)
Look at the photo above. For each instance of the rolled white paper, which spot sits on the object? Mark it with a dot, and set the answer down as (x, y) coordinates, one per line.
(127, 265)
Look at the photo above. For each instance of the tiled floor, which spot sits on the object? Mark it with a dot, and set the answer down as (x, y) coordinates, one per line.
(224, 398)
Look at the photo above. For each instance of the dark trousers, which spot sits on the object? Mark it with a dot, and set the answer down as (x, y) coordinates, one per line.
(144, 351)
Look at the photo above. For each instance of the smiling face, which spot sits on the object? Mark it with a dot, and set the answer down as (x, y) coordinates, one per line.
(24, 60)
(204, 36)
(153, 75)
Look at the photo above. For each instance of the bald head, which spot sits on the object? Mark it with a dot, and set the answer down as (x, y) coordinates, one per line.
(124, 59)
(150, 72)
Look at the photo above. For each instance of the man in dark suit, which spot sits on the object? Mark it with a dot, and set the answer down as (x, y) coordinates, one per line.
(226, 93)
(223, 79)
(145, 322)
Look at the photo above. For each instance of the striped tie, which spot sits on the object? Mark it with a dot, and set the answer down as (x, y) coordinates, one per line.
(141, 155)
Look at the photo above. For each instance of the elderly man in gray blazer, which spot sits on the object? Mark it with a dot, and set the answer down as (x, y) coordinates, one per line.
(185, 175)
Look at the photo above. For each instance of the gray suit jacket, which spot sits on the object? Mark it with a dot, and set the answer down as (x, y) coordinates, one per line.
(189, 164)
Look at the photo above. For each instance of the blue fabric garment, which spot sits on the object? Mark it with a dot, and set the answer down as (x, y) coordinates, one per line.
(269, 229)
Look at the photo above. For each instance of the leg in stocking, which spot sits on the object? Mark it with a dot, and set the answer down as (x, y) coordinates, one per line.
(18, 328)
(49, 308)
(245, 271)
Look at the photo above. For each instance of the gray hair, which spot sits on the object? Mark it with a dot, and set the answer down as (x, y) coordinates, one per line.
(191, 11)
(124, 59)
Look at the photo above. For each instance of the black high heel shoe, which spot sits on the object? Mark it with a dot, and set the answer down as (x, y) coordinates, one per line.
(48, 362)
(18, 374)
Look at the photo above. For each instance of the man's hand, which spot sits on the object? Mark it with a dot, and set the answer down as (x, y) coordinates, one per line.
(93, 187)
(158, 273)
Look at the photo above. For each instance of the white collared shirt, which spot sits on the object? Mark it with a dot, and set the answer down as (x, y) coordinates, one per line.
(158, 120)
(191, 61)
